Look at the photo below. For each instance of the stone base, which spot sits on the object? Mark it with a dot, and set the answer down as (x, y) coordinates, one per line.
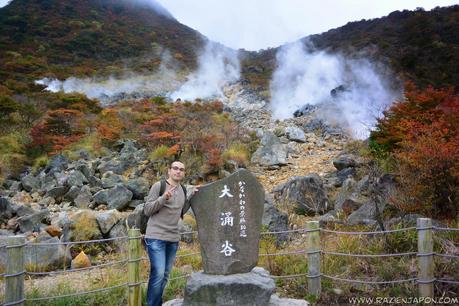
(245, 289)
(274, 301)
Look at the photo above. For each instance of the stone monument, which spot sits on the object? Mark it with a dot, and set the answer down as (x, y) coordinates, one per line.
(229, 214)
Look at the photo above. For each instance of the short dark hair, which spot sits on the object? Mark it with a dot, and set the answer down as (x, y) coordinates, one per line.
(176, 161)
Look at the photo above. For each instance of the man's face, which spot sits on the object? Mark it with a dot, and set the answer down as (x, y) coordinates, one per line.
(177, 171)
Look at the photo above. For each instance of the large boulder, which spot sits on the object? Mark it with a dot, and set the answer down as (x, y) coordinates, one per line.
(6, 209)
(108, 219)
(135, 219)
(57, 191)
(83, 199)
(84, 168)
(110, 179)
(57, 163)
(139, 187)
(117, 197)
(83, 226)
(307, 193)
(32, 222)
(117, 231)
(30, 183)
(295, 133)
(271, 152)
(274, 220)
(76, 178)
(48, 256)
(344, 161)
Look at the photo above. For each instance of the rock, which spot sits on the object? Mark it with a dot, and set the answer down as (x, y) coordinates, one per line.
(21, 198)
(57, 163)
(23, 210)
(107, 220)
(253, 288)
(76, 178)
(84, 168)
(81, 261)
(228, 214)
(343, 175)
(344, 161)
(135, 203)
(295, 133)
(275, 220)
(306, 193)
(30, 183)
(15, 186)
(46, 257)
(117, 197)
(83, 226)
(139, 187)
(94, 181)
(48, 201)
(277, 301)
(6, 209)
(57, 192)
(61, 178)
(174, 302)
(366, 214)
(83, 199)
(185, 228)
(119, 230)
(47, 183)
(329, 217)
(109, 180)
(304, 110)
(135, 219)
(114, 165)
(73, 193)
(32, 222)
(349, 206)
(100, 197)
(271, 152)
(53, 231)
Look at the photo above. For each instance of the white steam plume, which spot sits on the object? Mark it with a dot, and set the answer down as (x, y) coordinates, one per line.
(160, 82)
(217, 66)
(304, 77)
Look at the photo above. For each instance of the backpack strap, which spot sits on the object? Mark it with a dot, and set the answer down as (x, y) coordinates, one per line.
(184, 192)
(162, 189)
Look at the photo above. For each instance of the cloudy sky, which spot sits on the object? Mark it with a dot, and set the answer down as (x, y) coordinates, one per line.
(259, 24)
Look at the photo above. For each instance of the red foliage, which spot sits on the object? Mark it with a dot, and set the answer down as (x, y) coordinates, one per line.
(57, 129)
(423, 133)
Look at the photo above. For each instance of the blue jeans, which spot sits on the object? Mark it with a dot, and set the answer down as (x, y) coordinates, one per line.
(162, 255)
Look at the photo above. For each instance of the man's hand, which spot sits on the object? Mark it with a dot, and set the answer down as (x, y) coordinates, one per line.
(196, 189)
(168, 194)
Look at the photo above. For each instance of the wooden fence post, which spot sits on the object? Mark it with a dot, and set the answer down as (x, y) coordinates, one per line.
(425, 258)
(313, 245)
(135, 289)
(14, 279)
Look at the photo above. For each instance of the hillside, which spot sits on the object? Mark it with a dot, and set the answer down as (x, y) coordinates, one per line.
(80, 37)
(422, 46)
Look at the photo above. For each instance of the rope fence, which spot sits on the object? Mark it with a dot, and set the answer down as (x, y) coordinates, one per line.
(425, 257)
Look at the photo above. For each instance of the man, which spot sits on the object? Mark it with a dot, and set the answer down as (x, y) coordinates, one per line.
(162, 234)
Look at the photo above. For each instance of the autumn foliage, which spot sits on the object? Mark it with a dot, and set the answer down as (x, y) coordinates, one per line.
(57, 129)
(422, 134)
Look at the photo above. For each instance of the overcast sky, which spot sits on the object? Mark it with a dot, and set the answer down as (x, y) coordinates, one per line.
(259, 24)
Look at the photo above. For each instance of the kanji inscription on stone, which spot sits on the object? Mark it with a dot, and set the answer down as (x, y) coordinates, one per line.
(228, 213)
